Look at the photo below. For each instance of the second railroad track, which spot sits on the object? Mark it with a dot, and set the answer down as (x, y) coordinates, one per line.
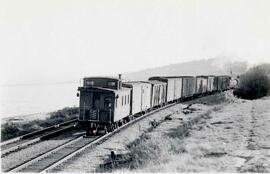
(34, 137)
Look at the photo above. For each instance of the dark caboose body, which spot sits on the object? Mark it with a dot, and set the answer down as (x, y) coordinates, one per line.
(103, 103)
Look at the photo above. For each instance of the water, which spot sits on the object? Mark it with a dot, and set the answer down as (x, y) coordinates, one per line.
(36, 99)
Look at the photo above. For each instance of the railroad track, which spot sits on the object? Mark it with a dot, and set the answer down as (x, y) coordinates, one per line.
(62, 153)
(34, 137)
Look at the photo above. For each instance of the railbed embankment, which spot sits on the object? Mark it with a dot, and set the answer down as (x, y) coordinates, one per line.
(232, 138)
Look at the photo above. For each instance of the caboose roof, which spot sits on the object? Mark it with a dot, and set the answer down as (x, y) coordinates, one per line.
(104, 89)
(102, 77)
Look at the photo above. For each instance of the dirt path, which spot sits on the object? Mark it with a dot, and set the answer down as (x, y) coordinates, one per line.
(257, 152)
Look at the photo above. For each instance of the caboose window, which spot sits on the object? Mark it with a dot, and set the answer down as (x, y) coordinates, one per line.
(89, 82)
(122, 100)
(112, 84)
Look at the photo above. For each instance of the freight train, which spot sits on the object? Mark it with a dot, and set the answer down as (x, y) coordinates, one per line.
(107, 103)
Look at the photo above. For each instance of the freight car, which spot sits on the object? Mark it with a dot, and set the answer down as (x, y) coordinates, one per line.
(158, 93)
(210, 84)
(201, 85)
(106, 103)
(140, 96)
(174, 87)
(215, 84)
(188, 86)
(223, 82)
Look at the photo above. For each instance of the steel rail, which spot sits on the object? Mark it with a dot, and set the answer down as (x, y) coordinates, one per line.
(24, 165)
(35, 132)
(22, 142)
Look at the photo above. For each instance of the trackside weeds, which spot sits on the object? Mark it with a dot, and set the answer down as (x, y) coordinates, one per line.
(232, 137)
(150, 146)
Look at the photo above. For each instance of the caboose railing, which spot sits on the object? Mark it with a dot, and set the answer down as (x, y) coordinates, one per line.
(90, 114)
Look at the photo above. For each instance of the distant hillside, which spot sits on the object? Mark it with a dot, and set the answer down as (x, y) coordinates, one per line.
(200, 67)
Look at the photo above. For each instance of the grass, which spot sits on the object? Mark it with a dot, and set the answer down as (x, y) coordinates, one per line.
(167, 152)
(152, 150)
(161, 153)
(224, 97)
(12, 129)
(255, 83)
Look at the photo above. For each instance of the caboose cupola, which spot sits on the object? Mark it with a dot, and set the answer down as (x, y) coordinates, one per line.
(104, 82)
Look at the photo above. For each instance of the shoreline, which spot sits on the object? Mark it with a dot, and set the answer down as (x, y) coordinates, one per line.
(20, 118)
(26, 117)
(13, 127)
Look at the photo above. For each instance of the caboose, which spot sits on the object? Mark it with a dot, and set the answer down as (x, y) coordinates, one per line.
(104, 104)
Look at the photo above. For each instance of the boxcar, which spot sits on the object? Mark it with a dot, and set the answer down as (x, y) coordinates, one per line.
(188, 86)
(201, 84)
(140, 96)
(174, 87)
(158, 93)
(223, 82)
(103, 102)
(215, 84)
(178, 88)
(227, 82)
(210, 84)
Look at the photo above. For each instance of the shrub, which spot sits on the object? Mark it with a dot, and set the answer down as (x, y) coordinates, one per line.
(152, 150)
(255, 83)
(11, 130)
(65, 113)
(220, 98)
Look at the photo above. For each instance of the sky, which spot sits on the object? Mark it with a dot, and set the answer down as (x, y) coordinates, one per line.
(43, 41)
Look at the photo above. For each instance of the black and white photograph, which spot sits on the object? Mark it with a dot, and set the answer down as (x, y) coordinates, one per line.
(135, 86)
